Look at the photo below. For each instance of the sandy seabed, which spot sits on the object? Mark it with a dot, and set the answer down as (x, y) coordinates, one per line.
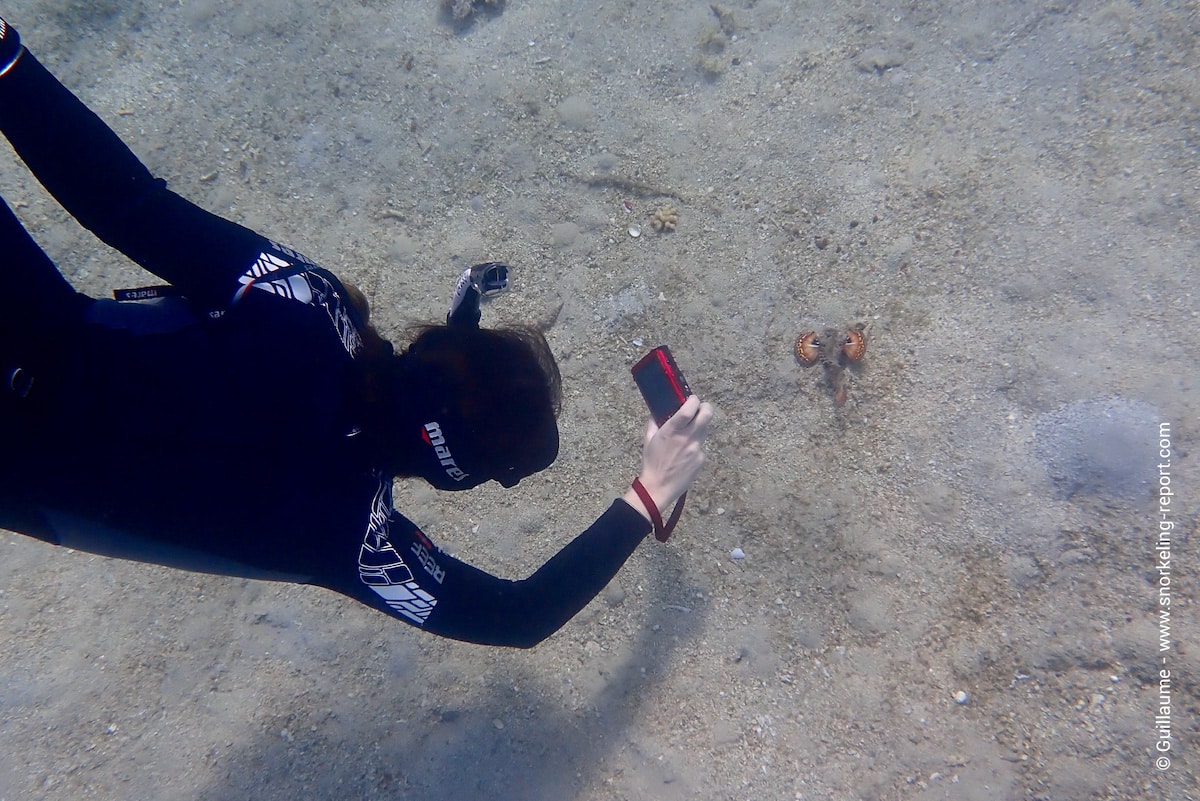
(950, 585)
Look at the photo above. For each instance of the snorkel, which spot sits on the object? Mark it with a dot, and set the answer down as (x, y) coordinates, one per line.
(481, 281)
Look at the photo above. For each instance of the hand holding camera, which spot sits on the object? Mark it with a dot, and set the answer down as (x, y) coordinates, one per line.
(673, 453)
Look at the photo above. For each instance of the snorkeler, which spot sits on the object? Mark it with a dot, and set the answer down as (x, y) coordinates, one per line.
(249, 421)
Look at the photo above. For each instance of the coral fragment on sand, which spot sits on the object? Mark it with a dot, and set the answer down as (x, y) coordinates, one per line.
(664, 219)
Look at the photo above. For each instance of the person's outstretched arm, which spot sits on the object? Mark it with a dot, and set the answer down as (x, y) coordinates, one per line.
(475, 606)
(98, 179)
(406, 575)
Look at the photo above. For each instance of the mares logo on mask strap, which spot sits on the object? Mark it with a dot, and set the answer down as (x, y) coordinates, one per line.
(432, 434)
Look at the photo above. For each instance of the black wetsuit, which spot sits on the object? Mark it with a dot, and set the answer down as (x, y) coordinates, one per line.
(220, 433)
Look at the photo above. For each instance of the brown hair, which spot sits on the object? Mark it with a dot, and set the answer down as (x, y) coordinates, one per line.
(492, 367)
(502, 383)
(498, 388)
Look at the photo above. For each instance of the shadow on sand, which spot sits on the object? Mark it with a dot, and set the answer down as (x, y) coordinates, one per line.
(544, 751)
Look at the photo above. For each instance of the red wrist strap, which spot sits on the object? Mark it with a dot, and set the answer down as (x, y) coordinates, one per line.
(661, 532)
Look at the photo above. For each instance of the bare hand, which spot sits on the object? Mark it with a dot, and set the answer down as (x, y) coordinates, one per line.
(673, 455)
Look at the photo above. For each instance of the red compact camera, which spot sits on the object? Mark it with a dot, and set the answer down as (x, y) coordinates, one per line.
(662, 384)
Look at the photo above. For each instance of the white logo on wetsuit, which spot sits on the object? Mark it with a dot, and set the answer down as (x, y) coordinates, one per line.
(433, 435)
(382, 568)
(303, 281)
(420, 549)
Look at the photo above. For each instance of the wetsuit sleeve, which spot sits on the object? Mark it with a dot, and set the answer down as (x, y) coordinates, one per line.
(450, 598)
(95, 176)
